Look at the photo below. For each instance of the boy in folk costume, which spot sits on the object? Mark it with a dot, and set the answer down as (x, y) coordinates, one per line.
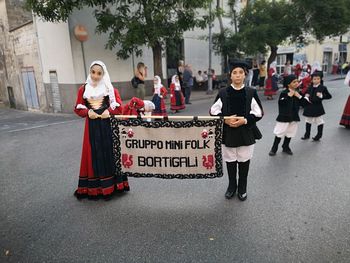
(243, 105)
(177, 100)
(314, 110)
(96, 100)
(288, 115)
(159, 93)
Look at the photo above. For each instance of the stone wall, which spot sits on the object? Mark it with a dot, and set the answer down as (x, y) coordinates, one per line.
(17, 14)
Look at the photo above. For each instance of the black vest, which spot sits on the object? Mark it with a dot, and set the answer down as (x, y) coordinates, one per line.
(243, 135)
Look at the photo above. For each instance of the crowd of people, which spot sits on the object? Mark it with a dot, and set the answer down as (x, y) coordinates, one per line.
(238, 103)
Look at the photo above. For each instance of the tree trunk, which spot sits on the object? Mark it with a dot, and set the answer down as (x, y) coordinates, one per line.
(273, 56)
(157, 59)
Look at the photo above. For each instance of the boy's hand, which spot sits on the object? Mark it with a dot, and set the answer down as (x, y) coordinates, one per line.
(291, 93)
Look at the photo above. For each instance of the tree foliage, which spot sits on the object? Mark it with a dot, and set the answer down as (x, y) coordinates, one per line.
(132, 24)
(264, 24)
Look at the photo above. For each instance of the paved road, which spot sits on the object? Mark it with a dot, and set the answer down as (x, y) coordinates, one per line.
(297, 208)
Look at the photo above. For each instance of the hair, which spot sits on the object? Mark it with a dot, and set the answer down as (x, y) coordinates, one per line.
(263, 62)
(97, 65)
(199, 71)
(140, 65)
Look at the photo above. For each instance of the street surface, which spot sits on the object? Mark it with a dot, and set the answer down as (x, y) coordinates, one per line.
(298, 207)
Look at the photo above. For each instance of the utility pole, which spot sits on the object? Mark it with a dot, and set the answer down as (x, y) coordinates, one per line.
(210, 77)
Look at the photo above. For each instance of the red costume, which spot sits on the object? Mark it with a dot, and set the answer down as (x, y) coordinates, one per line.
(345, 118)
(177, 101)
(159, 93)
(133, 107)
(97, 177)
(271, 82)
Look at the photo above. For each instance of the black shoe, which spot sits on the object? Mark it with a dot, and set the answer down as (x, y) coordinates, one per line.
(188, 103)
(242, 197)
(287, 151)
(272, 153)
(229, 194)
(316, 139)
(80, 196)
(305, 137)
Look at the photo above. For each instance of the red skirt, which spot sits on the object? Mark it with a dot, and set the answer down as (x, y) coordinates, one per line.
(97, 177)
(268, 89)
(345, 118)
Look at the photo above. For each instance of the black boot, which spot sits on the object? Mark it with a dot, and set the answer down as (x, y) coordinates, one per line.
(307, 131)
(275, 146)
(319, 133)
(232, 185)
(243, 169)
(285, 146)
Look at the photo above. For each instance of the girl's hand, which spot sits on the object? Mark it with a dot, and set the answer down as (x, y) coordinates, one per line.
(92, 115)
(105, 115)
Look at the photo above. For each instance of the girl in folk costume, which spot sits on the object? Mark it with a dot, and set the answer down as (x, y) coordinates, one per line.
(96, 100)
(305, 81)
(345, 118)
(288, 115)
(314, 110)
(298, 69)
(159, 93)
(243, 105)
(177, 101)
(271, 82)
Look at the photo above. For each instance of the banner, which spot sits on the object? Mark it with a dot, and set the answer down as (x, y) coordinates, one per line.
(168, 149)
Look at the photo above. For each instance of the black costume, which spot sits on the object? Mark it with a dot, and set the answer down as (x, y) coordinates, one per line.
(314, 110)
(238, 141)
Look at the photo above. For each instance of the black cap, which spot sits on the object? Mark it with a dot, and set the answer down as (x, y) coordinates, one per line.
(288, 79)
(240, 64)
(317, 73)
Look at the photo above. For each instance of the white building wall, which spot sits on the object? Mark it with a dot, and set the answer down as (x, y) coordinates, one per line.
(55, 51)
(94, 49)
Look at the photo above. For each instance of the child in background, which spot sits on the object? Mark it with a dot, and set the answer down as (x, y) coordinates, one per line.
(314, 110)
(288, 115)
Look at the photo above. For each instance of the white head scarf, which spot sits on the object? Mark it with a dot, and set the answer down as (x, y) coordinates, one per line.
(273, 65)
(103, 88)
(316, 66)
(176, 82)
(158, 85)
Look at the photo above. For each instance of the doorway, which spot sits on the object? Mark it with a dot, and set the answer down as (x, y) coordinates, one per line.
(29, 84)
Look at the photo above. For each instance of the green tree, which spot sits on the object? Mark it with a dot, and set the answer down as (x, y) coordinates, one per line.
(324, 18)
(132, 24)
(264, 24)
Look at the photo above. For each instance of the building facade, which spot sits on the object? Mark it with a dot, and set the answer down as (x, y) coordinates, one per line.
(42, 64)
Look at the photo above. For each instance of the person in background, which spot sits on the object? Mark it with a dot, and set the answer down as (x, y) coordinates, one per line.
(140, 75)
(271, 82)
(313, 111)
(159, 94)
(180, 72)
(177, 100)
(287, 69)
(345, 118)
(262, 74)
(288, 115)
(255, 80)
(200, 79)
(188, 82)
